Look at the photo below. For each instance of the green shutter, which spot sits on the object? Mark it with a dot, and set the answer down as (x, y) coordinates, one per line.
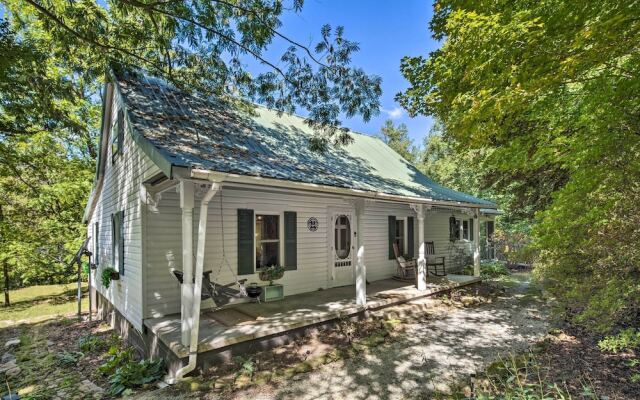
(96, 243)
(290, 241)
(113, 240)
(245, 242)
(410, 243)
(471, 229)
(121, 242)
(392, 236)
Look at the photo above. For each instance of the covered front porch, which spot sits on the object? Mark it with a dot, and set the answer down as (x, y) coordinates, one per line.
(251, 322)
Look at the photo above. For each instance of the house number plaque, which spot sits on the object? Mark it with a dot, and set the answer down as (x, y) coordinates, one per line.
(312, 224)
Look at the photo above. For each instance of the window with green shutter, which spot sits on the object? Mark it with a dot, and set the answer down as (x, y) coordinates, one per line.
(392, 236)
(290, 240)
(245, 241)
(410, 239)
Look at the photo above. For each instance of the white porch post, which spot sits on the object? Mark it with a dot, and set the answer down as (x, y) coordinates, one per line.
(421, 283)
(361, 269)
(186, 203)
(476, 242)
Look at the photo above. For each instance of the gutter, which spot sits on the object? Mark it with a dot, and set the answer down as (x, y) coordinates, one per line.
(197, 288)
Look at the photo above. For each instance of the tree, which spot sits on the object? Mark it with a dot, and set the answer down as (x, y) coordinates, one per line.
(397, 137)
(203, 45)
(551, 90)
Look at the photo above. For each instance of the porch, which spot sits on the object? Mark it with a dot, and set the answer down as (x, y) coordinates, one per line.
(251, 321)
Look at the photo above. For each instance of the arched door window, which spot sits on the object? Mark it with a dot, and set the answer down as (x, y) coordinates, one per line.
(342, 237)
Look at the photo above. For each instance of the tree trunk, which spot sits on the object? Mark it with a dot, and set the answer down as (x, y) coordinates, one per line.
(5, 268)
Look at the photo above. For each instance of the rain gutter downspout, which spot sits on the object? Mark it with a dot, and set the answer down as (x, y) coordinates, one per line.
(197, 289)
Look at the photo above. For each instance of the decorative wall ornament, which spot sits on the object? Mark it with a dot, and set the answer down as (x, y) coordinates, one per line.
(312, 224)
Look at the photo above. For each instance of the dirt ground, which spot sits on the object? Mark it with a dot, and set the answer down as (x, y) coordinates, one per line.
(441, 341)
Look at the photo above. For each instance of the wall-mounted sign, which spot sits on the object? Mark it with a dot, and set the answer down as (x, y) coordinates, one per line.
(312, 224)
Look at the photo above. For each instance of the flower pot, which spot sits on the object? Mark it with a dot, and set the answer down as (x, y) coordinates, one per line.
(115, 276)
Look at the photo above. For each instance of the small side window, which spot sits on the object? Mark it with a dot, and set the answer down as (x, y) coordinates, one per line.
(117, 136)
(465, 229)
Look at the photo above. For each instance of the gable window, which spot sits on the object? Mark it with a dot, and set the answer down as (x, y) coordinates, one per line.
(400, 238)
(267, 240)
(117, 135)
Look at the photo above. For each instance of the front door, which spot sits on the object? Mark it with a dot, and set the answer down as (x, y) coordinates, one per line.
(343, 248)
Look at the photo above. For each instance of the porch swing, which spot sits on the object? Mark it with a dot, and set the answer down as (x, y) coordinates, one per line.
(221, 294)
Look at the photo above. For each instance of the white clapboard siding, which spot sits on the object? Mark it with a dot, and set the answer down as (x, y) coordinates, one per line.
(376, 237)
(120, 192)
(164, 246)
(437, 231)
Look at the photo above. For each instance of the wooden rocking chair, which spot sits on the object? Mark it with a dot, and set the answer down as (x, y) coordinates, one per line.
(437, 263)
(406, 269)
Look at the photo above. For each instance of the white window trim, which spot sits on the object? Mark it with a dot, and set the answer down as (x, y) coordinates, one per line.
(280, 215)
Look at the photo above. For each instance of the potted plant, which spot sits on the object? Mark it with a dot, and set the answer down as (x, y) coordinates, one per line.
(272, 273)
(109, 274)
(272, 291)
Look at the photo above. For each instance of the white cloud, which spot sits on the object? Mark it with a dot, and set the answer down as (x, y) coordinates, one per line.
(395, 113)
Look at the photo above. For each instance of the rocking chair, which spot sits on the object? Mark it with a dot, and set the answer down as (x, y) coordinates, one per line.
(406, 268)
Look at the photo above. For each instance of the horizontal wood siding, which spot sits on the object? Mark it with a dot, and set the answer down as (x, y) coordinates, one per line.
(376, 238)
(120, 192)
(437, 230)
(165, 246)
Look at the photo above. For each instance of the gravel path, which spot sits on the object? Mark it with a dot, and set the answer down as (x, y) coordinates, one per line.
(430, 354)
(445, 345)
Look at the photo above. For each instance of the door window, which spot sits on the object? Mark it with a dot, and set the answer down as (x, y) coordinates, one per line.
(342, 238)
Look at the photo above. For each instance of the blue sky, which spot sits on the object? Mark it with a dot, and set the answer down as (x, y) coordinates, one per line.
(386, 30)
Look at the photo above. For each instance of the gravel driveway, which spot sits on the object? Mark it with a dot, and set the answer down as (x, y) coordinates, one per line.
(430, 354)
(441, 347)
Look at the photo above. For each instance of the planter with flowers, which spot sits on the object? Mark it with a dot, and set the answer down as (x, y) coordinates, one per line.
(272, 291)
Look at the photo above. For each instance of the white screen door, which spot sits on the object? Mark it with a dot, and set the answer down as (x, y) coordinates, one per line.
(343, 248)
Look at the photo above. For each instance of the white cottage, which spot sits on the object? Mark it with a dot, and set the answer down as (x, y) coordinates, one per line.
(193, 185)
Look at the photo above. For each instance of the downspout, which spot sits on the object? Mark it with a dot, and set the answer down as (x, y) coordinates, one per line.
(197, 289)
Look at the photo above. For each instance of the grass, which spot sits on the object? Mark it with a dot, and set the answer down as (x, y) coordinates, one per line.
(42, 301)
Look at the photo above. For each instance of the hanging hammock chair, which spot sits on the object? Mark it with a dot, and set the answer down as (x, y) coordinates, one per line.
(221, 294)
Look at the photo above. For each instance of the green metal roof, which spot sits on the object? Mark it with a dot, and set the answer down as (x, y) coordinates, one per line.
(179, 129)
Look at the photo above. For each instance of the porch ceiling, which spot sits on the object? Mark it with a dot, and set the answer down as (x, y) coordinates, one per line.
(250, 321)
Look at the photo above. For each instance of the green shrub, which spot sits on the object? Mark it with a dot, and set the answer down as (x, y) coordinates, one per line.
(90, 343)
(628, 339)
(489, 269)
(105, 277)
(116, 358)
(67, 359)
(135, 374)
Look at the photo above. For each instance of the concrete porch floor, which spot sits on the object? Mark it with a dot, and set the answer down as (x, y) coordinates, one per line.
(249, 321)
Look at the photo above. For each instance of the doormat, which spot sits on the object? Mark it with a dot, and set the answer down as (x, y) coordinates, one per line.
(230, 317)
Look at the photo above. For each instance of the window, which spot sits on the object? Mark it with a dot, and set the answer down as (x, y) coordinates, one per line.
(400, 235)
(465, 229)
(267, 240)
(96, 243)
(342, 238)
(117, 241)
(117, 136)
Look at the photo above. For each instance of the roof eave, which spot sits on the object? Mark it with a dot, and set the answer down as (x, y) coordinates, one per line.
(216, 176)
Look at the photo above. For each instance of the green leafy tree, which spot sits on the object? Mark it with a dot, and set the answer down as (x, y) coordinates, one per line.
(397, 137)
(551, 89)
(204, 45)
